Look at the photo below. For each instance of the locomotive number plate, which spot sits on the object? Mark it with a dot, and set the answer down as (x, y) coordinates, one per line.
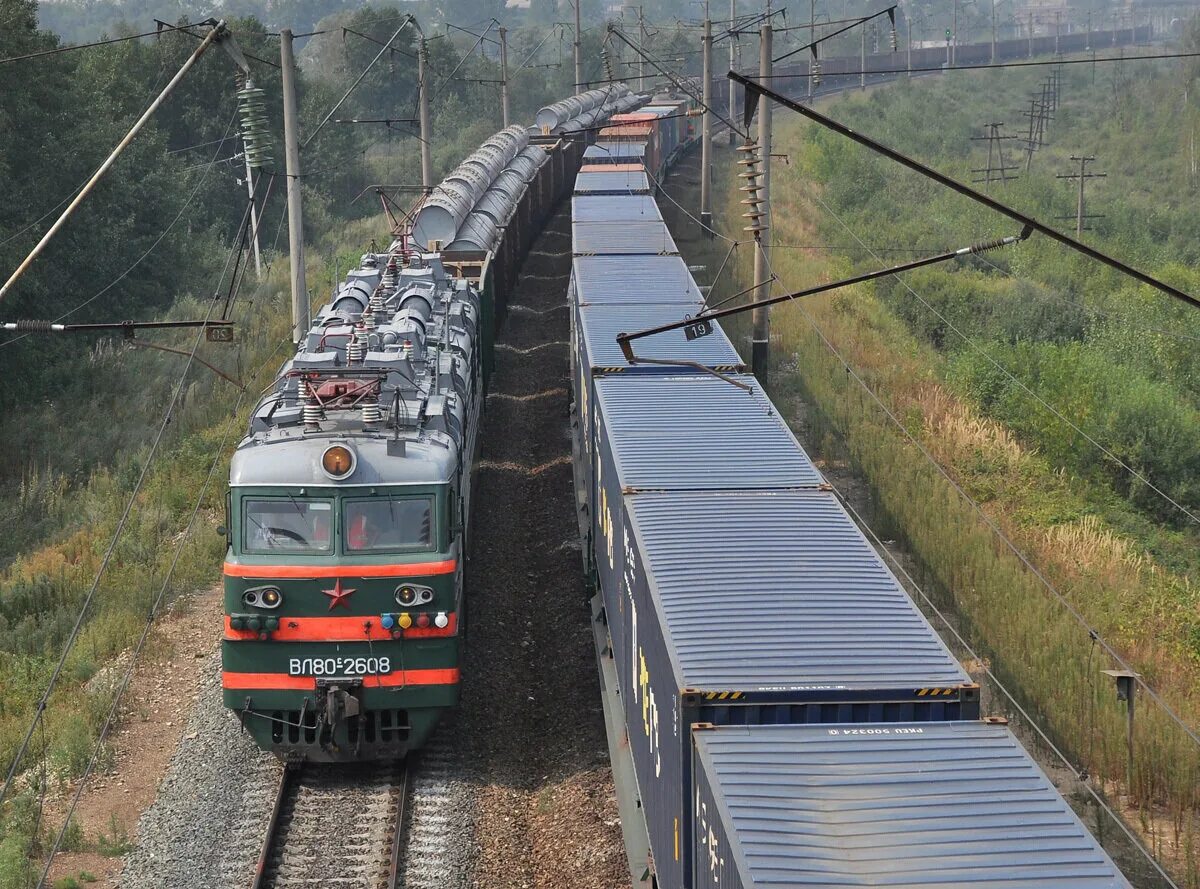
(339, 666)
(698, 329)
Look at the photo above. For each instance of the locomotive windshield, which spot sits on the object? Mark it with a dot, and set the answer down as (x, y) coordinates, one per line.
(392, 524)
(288, 525)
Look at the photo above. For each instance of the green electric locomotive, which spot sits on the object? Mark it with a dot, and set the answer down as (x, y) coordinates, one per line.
(347, 520)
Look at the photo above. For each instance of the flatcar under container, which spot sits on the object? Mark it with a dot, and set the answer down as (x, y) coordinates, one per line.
(907, 805)
(750, 608)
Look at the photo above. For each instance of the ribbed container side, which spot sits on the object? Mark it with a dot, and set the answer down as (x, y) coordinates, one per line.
(800, 596)
(698, 433)
(614, 238)
(612, 183)
(635, 280)
(908, 806)
(614, 208)
(600, 324)
(614, 152)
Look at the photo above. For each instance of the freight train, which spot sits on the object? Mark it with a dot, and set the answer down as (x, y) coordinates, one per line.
(350, 497)
(780, 712)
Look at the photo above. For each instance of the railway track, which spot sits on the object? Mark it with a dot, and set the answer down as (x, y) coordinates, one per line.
(335, 825)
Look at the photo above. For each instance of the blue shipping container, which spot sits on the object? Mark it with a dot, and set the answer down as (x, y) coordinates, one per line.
(614, 208)
(907, 806)
(635, 280)
(626, 237)
(758, 608)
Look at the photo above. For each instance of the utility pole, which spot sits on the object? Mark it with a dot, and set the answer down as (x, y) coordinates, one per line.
(1082, 177)
(1057, 28)
(1031, 33)
(706, 126)
(993, 32)
(954, 37)
(908, 64)
(734, 47)
(291, 148)
(504, 75)
(997, 170)
(642, 43)
(862, 58)
(578, 53)
(761, 337)
(426, 134)
(812, 38)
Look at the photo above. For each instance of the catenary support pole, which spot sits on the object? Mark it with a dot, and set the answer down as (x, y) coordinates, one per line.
(761, 318)
(734, 47)
(862, 58)
(706, 127)
(504, 75)
(578, 53)
(426, 133)
(291, 148)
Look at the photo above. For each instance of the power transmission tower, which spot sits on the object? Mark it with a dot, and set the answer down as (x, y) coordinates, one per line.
(997, 169)
(1081, 177)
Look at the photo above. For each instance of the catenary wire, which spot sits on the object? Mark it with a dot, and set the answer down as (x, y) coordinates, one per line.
(74, 46)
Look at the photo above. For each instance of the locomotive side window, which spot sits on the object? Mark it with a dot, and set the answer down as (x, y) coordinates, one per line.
(395, 523)
(288, 525)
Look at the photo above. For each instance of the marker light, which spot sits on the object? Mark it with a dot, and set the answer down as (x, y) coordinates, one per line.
(270, 598)
(406, 596)
(405, 621)
(441, 620)
(338, 461)
(422, 620)
(387, 621)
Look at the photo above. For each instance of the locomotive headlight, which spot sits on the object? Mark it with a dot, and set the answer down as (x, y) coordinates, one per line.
(263, 597)
(338, 461)
(408, 595)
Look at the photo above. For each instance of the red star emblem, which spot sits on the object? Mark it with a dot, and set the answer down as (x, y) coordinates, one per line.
(337, 595)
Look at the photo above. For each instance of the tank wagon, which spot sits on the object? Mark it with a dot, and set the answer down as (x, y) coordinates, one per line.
(349, 498)
(736, 599)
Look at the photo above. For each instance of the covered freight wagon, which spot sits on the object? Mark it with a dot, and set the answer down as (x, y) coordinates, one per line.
(909, 806)
(753, 607)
